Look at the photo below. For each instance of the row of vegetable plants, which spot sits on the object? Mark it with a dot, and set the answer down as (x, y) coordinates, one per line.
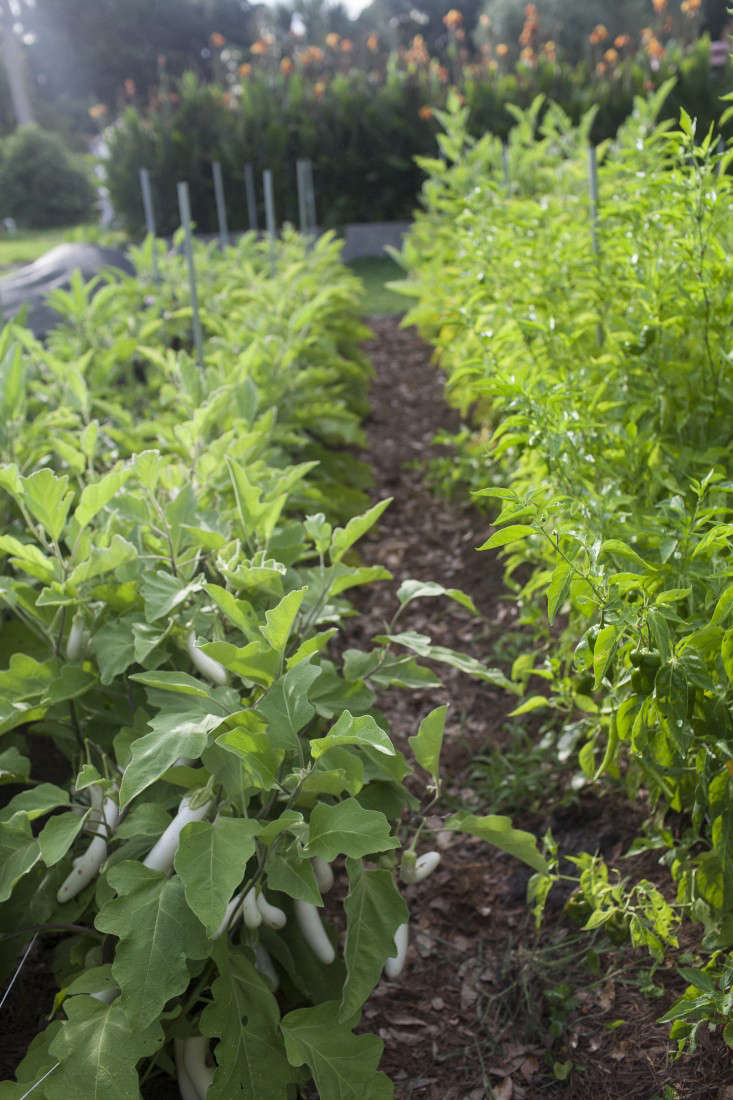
(177, 546)
(587, 343)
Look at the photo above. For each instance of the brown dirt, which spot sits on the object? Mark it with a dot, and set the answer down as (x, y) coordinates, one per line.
(487, 1008)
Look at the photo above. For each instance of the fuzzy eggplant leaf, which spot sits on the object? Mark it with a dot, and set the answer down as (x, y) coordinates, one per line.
(428, 741)
(99, 1048)
(158, 933)
(344, 1065)
(244, 1017)
(210, 862)
(344, 537)
(19, 852)
(286, 706)
(348, 829)
(374, 910)
(362, 730)
(280, 619)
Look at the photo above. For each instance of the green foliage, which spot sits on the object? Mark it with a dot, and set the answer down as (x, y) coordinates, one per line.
(41, 185)
(593, 355)
(177, 542)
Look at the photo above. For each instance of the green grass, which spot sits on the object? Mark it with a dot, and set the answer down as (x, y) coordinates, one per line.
(374, 272)
(26, 245)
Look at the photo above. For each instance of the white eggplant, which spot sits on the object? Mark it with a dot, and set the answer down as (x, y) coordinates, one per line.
(251, 910)
(314, 934)
(161, 855)
(86, 866)
(265, 966)
(396, 964)
(271, 915)
(200, 1075)
(323, 872)
(207, 666)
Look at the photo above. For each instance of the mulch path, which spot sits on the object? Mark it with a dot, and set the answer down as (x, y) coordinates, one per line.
(487, 1007)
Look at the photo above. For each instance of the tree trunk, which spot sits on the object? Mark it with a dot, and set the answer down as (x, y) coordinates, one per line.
(14, 67)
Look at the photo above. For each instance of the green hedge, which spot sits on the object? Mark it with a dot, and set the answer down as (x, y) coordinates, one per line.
(362, 130)
(41, 185)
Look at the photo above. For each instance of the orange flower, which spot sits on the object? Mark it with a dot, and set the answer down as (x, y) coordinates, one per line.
(245, 70)
(425, 112)
(346, 45)
(502, 49)
(286, 66)
(601, 68)
(372, 43)
(319, 88)
(452, 18)
(442, 73)
(527, 55)
(621, 41)
(99, 110)
(550, 51)
(129, 87)
(690, 8)
(484, 20)
(659, 6)
(259, 47)
(217, 40)
(332, 40)
(598, 34)
(655, 49)
(611, 56)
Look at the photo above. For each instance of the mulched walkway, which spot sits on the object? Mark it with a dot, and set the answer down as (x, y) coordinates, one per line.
(487, 1007)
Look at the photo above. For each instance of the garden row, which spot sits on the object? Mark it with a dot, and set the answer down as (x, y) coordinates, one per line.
(587, 342)
(173, 583)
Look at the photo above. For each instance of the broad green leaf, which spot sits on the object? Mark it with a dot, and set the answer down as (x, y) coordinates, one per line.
(362, 730)
(244, 1016)
(19, 852)
(210, 861)
(286, 706)
(311, 645)
(558, 588)
(255, 661)
(58, 835)
(428, 741)
(102, 560)
(162, 592)
(36, 802)
(280, 619)
(344, 1065)
(182, 728)
(503, 537)
(96, 496)
(113, 646)
(344, 537)
(180, 683)
(258, 517)
(239, 612)
(28, 556)
(498, 831)
(412, 590)
(260, 759)
(289, 873)
(158, 933)
(48, 499)
(99, 1047)
(620, 550)
(348, 829)
(374, 910)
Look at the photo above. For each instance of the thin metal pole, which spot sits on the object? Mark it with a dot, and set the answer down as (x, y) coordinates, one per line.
(221, 208)
(505, 163)
(310, 197)
(184, 207)
(149, 219)
(302, 209)
(249, 187)
(270, 213)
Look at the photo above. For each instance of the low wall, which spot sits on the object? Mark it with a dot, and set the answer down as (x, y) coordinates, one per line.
(371, 239)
